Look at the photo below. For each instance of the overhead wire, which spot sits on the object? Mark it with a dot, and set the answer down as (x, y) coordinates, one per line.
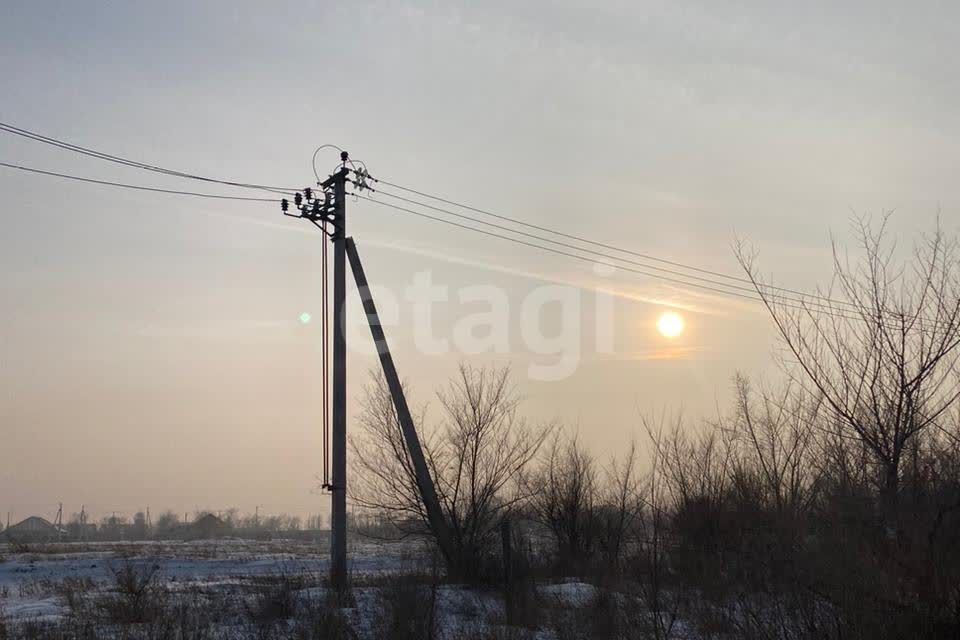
(808, 299)
(753, 298)
(765, 291)
(805, 297)
(782, 301)
(768, 293)
(608, 246)
(765, 298)
(100, 155)
(816, 302)
(137, 187)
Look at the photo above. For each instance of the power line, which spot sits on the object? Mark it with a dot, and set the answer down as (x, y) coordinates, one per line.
(787, 302)
(100, 155)
(813, 300)
(768, 293)
(133, 186)
(804, 297)
(801, 305)
(724, 292)
(410, 211)
(611, 247)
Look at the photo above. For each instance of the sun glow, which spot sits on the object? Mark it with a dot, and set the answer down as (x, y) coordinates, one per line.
(670, 324)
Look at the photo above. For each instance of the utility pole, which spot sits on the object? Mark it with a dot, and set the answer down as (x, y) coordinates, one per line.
(332, 209)
(338, 511)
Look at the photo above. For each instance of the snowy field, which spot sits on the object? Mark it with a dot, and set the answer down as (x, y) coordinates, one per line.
(39, 585)
(248, 589)
(197, 563)
(194, 561)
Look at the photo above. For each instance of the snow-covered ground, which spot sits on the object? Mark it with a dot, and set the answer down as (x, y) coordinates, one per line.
(195, 561)
(27, 579)
(231, 580)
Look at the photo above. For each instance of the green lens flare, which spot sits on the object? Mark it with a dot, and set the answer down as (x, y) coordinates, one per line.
(305, 318)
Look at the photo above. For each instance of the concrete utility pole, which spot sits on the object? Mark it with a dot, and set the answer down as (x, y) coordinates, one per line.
(332, 208)
(338, 511)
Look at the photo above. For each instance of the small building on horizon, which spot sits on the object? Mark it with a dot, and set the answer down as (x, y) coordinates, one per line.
(206, 526)
(34, 529)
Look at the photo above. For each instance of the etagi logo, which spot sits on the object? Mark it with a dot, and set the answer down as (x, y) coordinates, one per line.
(548, 324)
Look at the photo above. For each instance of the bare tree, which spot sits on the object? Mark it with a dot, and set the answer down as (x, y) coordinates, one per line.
(663, 491)
(694, 468)
(167, 522)
(478, 454)
(775, 445)
(565, 497)
(621, 504)
(882, 348)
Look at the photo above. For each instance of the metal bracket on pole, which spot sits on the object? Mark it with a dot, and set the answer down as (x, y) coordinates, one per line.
(437, 521)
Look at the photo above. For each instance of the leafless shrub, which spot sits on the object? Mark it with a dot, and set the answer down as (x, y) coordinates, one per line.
(521, 602)
(774, 447)
(478, 457)
(78, 595)
(274, 597)
(136, 596)
(493, 632)
(670, 489)
(564, 498)
(604, 614)
(321, 619)
(621, 506)
(409, 609)
(17, 546)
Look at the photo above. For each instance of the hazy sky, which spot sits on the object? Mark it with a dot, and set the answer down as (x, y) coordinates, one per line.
(151, 352)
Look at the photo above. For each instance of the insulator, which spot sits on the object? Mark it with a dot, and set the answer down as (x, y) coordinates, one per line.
(308, 193)
(316, 207)
(284, 205)
(298, 199)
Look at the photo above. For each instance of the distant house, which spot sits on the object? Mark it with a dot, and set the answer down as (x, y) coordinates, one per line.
(33, 529)
(206, 526)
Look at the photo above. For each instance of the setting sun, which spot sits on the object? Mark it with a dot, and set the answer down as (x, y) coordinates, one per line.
(670, 324)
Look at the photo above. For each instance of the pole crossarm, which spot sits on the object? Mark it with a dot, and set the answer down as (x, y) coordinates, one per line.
(339, 175)
(424, 482)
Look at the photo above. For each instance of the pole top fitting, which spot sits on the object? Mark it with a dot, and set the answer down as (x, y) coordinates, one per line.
(344, 156)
